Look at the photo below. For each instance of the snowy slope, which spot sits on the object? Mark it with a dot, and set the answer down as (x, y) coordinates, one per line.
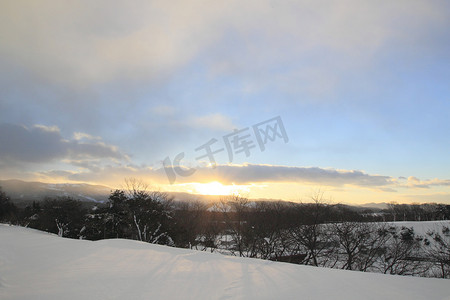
(37, 265)
(423, 227)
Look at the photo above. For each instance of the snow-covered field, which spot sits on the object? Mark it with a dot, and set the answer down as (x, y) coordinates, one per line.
(38, 265)
(423, 227)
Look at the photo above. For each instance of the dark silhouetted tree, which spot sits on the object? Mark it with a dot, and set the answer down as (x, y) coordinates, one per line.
(8, 211)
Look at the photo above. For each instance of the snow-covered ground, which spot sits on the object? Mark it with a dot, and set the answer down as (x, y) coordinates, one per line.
(423, 227)
(38, 265)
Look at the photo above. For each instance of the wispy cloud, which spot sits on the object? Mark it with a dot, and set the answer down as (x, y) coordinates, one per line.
(414, 182)
(84, 136)
(215, 121)
(78, 44)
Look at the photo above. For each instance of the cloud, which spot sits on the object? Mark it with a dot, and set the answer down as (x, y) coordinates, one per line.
(114, 175)
(94, 150)
(251, 173)
(242, 175)
(414, 182)
(164, 111)
(42, 144)
(176, 119)
(56, 174)
(215, 121)
(78, 44)
(35, 144)
(75, 63)
(84, 136)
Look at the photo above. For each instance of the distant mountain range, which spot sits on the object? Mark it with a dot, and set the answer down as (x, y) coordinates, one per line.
(24, 192)
(382, 205)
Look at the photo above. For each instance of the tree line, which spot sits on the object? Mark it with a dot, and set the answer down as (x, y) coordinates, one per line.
(317, 233)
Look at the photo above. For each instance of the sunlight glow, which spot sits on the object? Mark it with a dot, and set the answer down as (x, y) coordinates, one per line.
(216, 188)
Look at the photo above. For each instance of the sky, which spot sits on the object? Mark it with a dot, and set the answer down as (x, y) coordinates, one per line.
(349, 97)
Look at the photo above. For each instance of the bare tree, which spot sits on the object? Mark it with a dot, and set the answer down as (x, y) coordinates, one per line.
(400, 251)
(438, 249)
(188, 219)
(235, 209)
(149, 211)
(133, 186)
(370, 251)
(312, 235)
(269, 227)
(314, 239)
(351, 237)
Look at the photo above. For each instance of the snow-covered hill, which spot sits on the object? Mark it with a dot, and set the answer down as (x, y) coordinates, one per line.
(38, 265)
(421, 228)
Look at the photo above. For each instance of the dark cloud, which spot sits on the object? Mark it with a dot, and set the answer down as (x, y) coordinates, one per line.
(94, 150)
(90, 165)
(42, 144)
(249, 173)
(56, 174)
(115, 175)
(242, 174)
(36, 144)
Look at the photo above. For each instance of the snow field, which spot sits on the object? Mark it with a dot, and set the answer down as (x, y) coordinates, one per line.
(38, 265)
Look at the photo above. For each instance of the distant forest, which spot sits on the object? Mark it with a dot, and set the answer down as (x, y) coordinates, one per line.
(316, 233)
